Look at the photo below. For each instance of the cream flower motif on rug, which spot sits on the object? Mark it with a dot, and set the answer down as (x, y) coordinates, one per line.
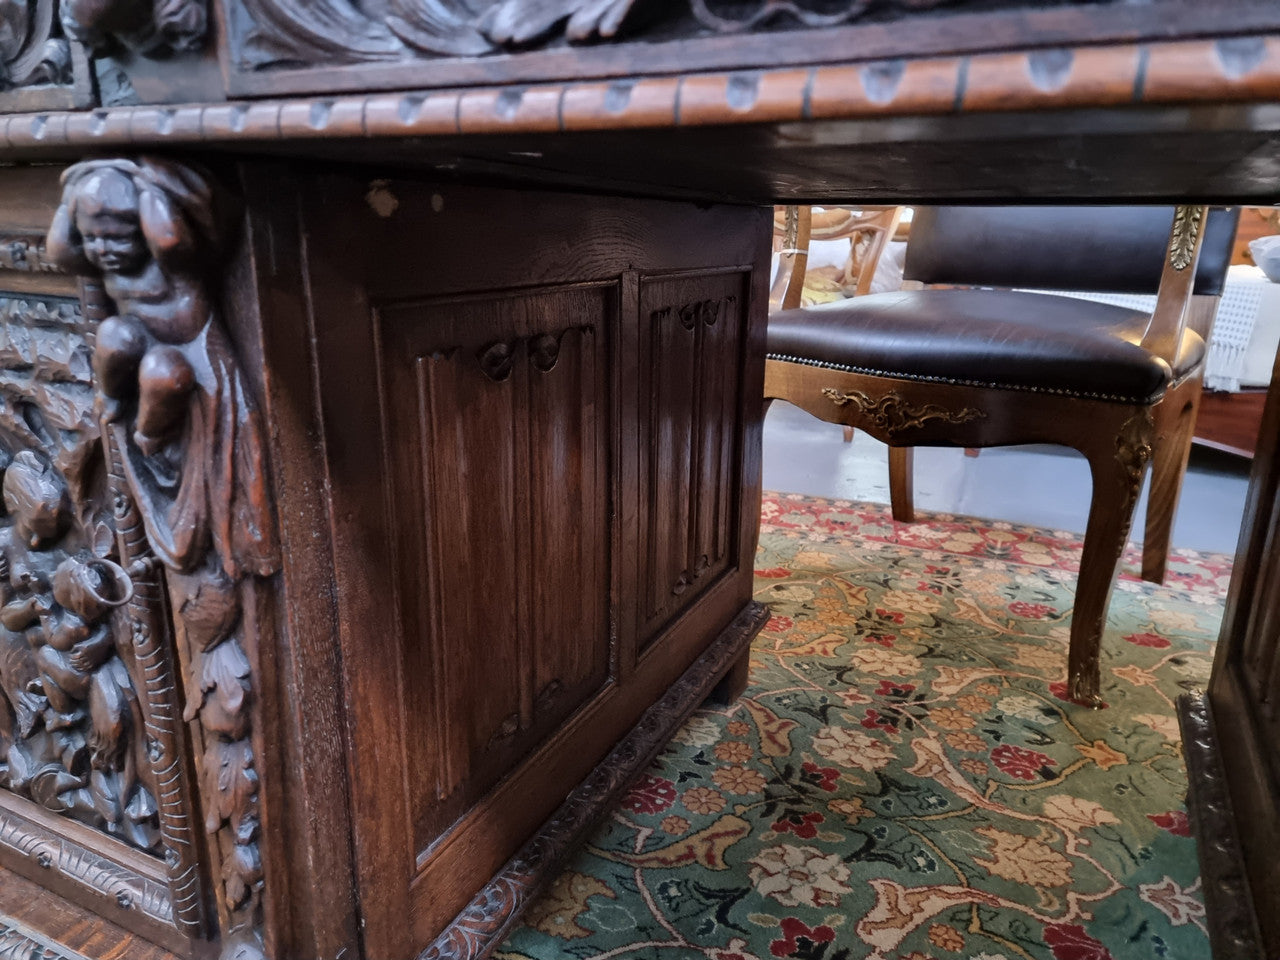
(1038, 658)
(796, 876)
(1176, 903)
(1076, 813)
(698, 732)
(1026, 708)
(911, 601)
(852, 748)
(1170, 621)
(1022, 859)
(880, 662)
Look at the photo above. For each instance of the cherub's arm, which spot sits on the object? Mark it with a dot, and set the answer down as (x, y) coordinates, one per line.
(62, 245)
(65, 630)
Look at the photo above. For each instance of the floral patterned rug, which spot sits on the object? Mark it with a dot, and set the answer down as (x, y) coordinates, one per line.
(903, 778)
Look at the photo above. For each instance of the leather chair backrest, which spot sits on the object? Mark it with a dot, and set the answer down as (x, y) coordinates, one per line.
(1105, 249)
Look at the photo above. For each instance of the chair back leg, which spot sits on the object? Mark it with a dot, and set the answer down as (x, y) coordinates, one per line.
(1175, 425)
(902, 483)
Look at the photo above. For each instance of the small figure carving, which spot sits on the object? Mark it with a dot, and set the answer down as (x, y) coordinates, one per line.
(150, 232)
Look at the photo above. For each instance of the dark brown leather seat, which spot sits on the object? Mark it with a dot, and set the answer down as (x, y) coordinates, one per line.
(988, 338)
(988, 367)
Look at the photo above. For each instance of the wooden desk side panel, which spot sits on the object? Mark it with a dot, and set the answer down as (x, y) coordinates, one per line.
(486, 427)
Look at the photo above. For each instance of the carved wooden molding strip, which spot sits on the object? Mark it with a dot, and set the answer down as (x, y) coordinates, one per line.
(893, 412)
(17, 942)
(26, 254)
(96, 874)
(1233, 924)
(1121, 75)
(489, 916)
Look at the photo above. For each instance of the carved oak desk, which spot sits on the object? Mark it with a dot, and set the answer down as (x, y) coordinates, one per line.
(380, 407)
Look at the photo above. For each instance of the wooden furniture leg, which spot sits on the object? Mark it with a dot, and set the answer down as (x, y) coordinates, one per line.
(1175, 427)
(902, 483)
(734, 682)
(1117, 470)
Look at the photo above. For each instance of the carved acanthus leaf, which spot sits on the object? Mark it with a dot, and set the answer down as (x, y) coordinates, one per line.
(1187, 221)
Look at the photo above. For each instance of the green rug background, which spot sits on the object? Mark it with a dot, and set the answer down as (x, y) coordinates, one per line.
(903, 778)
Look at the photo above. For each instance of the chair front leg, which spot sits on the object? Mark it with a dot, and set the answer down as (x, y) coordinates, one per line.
(1118, 471)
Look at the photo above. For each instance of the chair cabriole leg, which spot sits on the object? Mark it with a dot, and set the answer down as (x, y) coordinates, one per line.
(1117, 472)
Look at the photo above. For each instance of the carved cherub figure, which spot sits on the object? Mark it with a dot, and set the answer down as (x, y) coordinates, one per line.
(77, 633)
(35, 497)
(125, 239)
(150, 231)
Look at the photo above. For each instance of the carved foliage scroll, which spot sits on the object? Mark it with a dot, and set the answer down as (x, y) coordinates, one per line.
(151, 27)
(893, 413)
(187, 450)
(292, 32)
(33, 51)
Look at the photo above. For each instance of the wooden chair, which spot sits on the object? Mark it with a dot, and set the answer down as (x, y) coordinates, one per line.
(868, 229)
(993, 367)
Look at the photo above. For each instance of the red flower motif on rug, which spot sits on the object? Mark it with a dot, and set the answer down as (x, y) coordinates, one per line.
(650, 794)
(799, 936)
(1070, 942)
(1175, 821)
(824, 778)
(1020, 763)
(803, 825)
(1153, 640)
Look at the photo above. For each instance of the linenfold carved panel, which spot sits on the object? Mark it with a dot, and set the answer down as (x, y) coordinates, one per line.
(691, 342)
(186, 467)
(503, 511)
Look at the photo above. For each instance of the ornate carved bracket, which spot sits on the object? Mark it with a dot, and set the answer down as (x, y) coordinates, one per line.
(894, 413)
(1133, 453)
(150, 27)
(187, 456)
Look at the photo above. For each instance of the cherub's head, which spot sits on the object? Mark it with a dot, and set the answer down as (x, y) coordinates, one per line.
(90, 588)
(106, 218)
(36, 497)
